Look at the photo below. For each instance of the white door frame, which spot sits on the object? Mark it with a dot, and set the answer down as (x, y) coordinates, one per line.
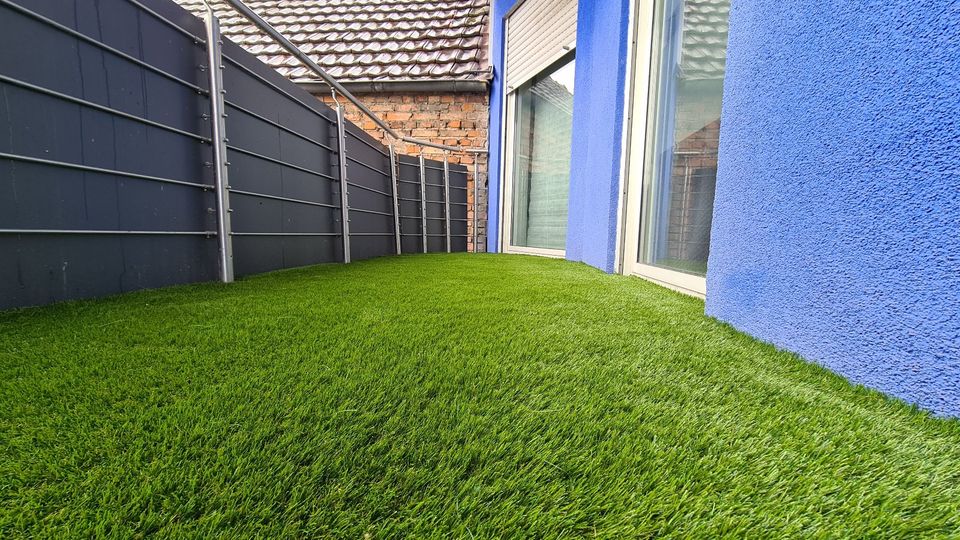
(636, 182)
(506, 224)
(507, 114)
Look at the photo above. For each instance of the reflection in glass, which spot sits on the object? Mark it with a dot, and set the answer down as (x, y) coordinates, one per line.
(541, 158)
(685, 128)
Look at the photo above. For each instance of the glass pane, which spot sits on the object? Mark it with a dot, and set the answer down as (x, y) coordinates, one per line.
(685, 129)
(541, 159)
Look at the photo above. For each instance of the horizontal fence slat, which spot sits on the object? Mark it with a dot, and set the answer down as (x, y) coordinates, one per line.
(279, 198)
(365, 142)
(279, 90)
(279, 126)
(285, 234)
(173, 26)
(101, 170)
(370, 189)
(101, 108)
(106, 231)
(91, 41)
(276, 161)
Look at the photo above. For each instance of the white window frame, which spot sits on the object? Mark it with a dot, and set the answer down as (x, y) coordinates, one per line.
(508, 114)
(637, 179)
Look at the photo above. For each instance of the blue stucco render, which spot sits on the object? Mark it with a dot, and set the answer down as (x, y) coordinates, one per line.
(836, 229)
(499, 9)
(602, 35)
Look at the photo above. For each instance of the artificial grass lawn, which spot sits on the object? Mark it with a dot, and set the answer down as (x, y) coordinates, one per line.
(445, 396)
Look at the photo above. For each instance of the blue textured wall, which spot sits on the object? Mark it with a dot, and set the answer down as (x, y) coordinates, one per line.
(499, 9)
(837, 218)
(598, 117)
(602, 35)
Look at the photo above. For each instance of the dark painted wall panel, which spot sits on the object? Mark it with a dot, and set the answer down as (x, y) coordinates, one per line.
(409, 225)
(53, 9)
(256, 254)
(37, 53)
(408, 187)
(367, 247)
(249, 133)
(435, 194)
(173, 52)
(115, 23)
(458, 227)
(408, 190)
(365, 224)
(49, 268)
(148, 150)
(39, 126)
(365, 202)
(436, 244)
(302, 185)
(410, 244)
(261, 215)
(282, 143)
(309, 173)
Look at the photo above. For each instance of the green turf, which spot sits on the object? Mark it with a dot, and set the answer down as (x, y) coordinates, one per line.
(445, 396)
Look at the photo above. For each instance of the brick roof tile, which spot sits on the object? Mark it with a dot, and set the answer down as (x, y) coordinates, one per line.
(366, 40)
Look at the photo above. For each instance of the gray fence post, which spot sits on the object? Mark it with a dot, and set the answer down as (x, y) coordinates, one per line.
(476, 180)
(344, 199)
(396, 201)
(219, 147)
(446, 198)
(423, 201)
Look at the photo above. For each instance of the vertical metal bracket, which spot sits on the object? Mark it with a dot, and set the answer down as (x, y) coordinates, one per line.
(476, 180)
(423, 202)
(396, 202)
(219, 147)
(446, 198)
(344, 199)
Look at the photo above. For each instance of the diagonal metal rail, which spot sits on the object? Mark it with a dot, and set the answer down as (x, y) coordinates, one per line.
(336, 88)
(305, 59)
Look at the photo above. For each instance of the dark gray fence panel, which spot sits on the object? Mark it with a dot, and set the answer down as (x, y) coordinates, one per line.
(436, 237)
(284, 177)
(83, 124)
(458, 208)
(371, 196)
(106, 178)
(408, 190)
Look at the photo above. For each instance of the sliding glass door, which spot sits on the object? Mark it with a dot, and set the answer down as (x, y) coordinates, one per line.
(542, 123)
(673, 181)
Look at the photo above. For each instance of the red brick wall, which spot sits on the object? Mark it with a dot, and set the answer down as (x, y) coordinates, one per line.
(445, 118)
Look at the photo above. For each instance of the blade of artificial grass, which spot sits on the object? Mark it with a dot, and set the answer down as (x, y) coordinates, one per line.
(445, 396)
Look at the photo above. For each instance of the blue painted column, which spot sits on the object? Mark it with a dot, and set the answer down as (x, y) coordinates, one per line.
(598, 105)
(498, 10)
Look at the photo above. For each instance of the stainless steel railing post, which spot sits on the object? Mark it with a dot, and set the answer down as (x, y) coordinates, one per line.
(423, 201)
(219, 147)
(446, 199)
(344, 196)
(476, 180)
(396, 202)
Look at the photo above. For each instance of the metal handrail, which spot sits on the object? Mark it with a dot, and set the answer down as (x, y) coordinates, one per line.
(218, 140)
(334, 85)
